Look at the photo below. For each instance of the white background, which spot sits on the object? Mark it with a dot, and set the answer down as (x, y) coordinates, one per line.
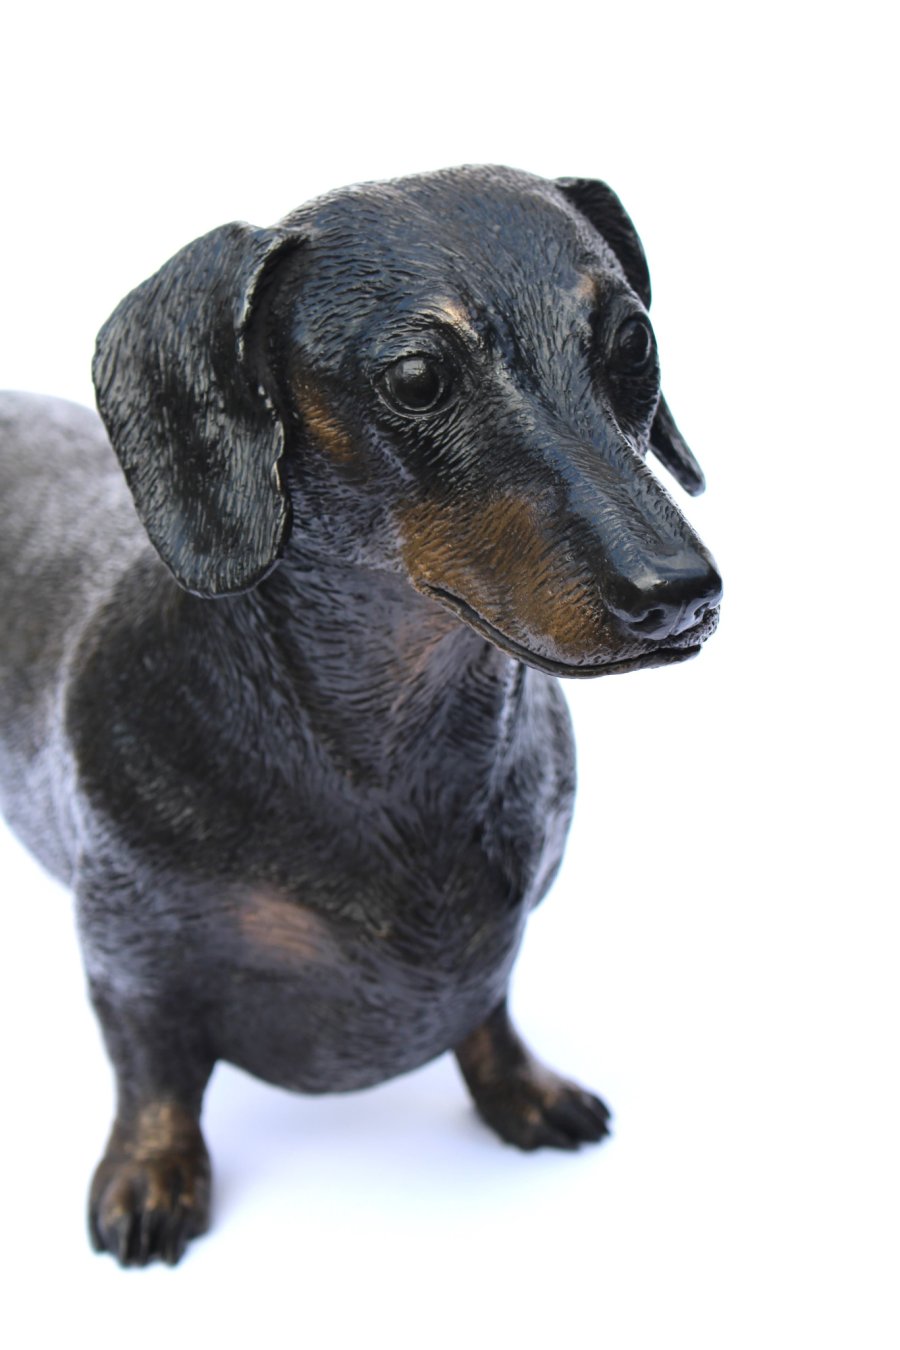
(719, 956)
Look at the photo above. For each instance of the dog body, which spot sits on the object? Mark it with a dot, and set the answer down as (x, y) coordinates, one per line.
(302, 757)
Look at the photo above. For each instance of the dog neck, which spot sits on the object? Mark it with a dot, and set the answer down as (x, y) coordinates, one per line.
(374, 674)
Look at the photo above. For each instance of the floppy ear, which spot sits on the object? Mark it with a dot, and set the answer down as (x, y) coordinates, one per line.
(600, 205)
(182, 399)
(669, 447)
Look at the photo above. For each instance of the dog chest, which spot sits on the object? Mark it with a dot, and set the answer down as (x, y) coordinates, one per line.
(322, 1000)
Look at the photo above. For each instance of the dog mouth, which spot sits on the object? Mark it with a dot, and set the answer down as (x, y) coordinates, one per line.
(688, 646)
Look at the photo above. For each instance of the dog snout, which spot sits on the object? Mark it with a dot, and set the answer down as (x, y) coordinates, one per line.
(666, 600)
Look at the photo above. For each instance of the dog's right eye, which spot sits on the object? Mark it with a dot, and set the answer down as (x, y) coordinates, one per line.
(633, 347)
(416, 384)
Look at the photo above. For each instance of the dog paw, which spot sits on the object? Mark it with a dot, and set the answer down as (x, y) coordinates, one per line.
(147, 1208)
(538, 1109)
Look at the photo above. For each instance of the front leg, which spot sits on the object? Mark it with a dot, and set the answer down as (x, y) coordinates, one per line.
(526, 1103)
(151, 1191)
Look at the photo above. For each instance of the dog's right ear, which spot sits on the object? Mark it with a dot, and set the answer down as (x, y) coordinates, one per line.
(599, 204)
(181, 393)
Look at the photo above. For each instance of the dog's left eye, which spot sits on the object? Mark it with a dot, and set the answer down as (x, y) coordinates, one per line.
(416, 384)
(633, 346)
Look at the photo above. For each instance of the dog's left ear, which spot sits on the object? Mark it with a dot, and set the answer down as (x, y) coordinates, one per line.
(600, 205)
(180, 388)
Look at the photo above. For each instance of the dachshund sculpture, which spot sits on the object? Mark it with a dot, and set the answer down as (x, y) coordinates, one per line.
(301, 754)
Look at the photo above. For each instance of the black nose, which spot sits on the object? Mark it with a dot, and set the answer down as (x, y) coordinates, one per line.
(667, 599)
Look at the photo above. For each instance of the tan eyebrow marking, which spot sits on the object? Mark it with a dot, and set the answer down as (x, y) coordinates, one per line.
(454, 313)
(586, 287)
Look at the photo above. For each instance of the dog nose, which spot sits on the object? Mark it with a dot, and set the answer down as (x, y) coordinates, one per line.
(667, 599)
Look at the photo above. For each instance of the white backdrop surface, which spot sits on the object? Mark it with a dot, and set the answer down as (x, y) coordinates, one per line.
(718, 957)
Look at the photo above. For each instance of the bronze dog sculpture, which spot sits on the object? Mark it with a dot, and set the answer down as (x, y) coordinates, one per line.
(303, 761)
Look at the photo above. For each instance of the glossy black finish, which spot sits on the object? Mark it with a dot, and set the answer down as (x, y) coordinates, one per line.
(302, 761)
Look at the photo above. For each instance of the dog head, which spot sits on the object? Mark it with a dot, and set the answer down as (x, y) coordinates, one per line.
(452, 376)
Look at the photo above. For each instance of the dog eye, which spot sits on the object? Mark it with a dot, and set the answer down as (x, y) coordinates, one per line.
(633, 346)
(416, 384)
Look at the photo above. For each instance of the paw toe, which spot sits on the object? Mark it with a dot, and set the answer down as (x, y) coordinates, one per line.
(581, 1116)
